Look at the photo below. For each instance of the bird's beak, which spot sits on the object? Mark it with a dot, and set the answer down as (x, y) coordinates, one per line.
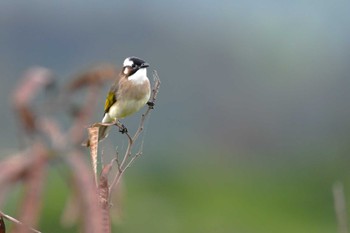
(144, 65)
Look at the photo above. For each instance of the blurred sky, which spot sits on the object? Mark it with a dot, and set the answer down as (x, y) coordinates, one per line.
(255, 76)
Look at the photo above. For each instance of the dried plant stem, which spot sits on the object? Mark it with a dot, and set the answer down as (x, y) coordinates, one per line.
(340, 207)
(103, 193)
(12, 219)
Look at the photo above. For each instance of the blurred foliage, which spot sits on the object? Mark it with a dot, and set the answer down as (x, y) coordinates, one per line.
(212, 195)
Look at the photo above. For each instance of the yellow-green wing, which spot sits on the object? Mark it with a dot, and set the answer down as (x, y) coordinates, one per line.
(110, 100)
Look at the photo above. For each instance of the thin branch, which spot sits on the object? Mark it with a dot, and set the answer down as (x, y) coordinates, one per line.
(138, 154)
(121, 168)
(340, 207)
(12, 219)
(117, 160)
(127, 152)
(133, 159)
(120, 173)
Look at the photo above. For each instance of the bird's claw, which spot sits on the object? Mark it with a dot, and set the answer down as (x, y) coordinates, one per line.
(150, 104)
(123, 129)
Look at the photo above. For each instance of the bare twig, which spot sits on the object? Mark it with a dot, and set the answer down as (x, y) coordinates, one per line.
(117, 160)
(12, 219)
(340, 207)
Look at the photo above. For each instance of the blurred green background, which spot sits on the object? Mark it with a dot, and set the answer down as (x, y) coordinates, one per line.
(251, 128)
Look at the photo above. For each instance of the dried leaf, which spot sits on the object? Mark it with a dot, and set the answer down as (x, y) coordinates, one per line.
(2, 225)
(93, 143)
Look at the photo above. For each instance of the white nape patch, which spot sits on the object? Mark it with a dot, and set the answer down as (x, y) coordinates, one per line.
(139, 77)
(128, 62)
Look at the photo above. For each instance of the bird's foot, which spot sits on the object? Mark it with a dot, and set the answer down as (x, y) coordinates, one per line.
(121, 127)
(150, 104)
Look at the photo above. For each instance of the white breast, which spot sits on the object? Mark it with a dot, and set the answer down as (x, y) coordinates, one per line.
(139, 77)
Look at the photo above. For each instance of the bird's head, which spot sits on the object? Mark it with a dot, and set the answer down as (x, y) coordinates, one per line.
(134, 65)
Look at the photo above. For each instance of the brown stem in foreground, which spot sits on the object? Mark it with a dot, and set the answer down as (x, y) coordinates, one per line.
(340, 207)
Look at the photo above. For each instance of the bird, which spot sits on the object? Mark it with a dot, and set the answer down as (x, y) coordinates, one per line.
(128, 94)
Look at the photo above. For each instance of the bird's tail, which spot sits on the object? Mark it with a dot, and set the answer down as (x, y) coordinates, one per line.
(102, 133)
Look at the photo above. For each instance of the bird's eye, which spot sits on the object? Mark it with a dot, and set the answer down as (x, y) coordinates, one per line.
(133, 65)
